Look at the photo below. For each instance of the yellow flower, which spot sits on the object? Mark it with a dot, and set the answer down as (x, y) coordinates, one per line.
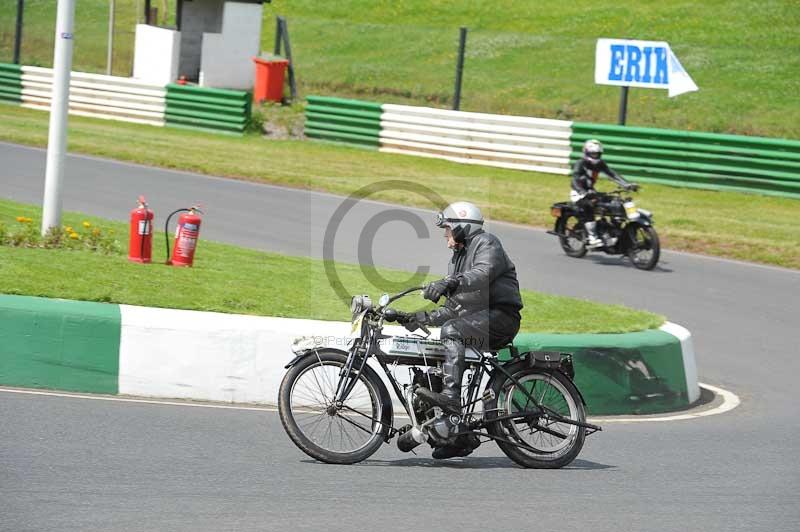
(96, 231)
(69, 229)
(24, 220)
(74, 236)
(87, 224)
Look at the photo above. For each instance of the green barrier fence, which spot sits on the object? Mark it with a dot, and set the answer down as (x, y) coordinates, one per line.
(695, 159)
(343, 120)
(10, 83)
(207, 109)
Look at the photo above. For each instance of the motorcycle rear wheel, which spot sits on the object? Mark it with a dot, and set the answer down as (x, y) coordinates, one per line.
(343, 434)
(574, 244)
(548, 443)
(645, 248)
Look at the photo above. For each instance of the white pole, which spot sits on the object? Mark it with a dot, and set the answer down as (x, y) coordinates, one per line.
(110, 57)
(57, 140)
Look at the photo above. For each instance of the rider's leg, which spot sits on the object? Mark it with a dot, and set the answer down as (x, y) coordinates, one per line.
(485, 330)
(453, 368)
(587, 216)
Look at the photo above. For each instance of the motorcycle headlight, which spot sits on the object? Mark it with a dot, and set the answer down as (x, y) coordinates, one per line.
(359, 304)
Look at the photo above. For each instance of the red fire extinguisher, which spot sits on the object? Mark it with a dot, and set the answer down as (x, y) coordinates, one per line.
(140, 244)
(186, 235)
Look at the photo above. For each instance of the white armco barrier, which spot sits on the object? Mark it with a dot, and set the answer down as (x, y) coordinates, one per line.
(98, 96)
(517, 142)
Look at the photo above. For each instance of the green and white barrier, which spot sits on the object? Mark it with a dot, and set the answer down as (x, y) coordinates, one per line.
(98, 96)
(10, 83)
(521, 143)
(151, 352)
(130, 100)
(210, 109)
(677, 158)
(697, 160)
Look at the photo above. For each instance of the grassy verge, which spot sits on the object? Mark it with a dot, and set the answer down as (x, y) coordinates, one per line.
(727, 224)
(236, 280)
(527, 58)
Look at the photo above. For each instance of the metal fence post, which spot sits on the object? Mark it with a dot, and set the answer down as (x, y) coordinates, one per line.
(462, 43)
(18, 34)
(623, 105)
(288, 47)
(110, 56)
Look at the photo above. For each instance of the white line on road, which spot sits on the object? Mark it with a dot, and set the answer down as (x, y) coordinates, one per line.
(729, 402)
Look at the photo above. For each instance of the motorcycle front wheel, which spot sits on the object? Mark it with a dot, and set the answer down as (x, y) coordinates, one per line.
(541, 441)
(573, 243)
(645, 249)
(333, 433)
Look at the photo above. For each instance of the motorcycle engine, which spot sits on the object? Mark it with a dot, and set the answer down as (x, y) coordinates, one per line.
(432, 379)
(608, 233)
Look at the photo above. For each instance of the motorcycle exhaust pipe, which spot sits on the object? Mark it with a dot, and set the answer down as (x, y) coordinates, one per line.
(410, 439)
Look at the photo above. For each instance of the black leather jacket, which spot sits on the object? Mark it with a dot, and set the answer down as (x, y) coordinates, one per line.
(584, 175)
(488, 280)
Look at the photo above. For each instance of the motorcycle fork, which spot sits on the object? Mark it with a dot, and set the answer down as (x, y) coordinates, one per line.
(348, 376)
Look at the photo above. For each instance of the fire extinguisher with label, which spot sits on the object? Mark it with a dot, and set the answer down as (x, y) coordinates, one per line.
(186, 235)
(140, 243)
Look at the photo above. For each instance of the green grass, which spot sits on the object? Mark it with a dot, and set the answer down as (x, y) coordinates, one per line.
(727, 224)
(525, 58)
(236, 280)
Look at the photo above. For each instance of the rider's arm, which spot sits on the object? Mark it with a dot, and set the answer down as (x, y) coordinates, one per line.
(439, 315)
(486, 265)
(612, 175)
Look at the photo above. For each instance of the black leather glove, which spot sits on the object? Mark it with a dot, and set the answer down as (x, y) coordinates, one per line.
(412, 322)
(437, 289)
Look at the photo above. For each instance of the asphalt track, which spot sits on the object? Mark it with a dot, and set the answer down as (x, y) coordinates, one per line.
(89, 465)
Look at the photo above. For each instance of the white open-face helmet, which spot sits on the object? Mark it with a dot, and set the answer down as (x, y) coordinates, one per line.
(462, 217)
(593, 151)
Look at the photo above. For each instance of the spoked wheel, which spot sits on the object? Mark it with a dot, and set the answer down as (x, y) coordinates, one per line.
(335, 433)
(645, 248)
(572, 244)
(544, 440)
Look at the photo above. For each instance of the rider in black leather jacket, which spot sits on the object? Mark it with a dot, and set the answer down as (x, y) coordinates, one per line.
(585, 172)
(482, 308)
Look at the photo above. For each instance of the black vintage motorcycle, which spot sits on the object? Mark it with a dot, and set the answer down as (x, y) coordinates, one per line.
(335, 407)
(624, 229)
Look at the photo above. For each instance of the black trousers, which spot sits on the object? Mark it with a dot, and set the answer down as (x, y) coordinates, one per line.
(585, 209)
(484, 330)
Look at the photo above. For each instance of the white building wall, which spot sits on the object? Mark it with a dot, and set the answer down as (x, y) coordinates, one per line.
(227, 57)
(156, 55)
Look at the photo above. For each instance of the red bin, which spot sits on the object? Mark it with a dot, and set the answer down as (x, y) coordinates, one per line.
(270, 74)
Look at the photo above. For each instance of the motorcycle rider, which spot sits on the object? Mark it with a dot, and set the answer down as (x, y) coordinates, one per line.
(584, 175)
(482, 308)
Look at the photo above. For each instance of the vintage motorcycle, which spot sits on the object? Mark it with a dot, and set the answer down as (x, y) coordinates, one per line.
(335, 407)
(624, 229)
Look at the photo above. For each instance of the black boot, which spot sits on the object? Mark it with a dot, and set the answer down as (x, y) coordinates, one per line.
(463, 446)
(453, 368)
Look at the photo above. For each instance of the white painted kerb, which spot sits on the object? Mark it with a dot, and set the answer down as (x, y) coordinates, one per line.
(233, 358)
(212, 356)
